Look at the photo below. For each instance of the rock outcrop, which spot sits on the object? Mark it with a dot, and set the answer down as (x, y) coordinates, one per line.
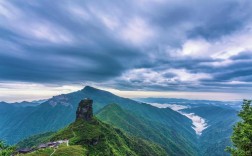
(85, 110)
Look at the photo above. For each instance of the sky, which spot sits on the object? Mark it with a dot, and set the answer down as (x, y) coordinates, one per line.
(166, 48)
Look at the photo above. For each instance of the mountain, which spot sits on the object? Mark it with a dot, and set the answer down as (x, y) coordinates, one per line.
(170, 129)
(187, 102)
(18, 123)
(59, 111)
(25, 103)
(127, 121)
(220, 122)
(219, 117)
(93, 137)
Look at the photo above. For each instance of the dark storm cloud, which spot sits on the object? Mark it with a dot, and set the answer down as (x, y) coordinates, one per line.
(246, 55)
(94, 56)
(225, 17)
(63, 42)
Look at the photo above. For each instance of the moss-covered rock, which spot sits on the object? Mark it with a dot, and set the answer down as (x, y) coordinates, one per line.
(85, 110)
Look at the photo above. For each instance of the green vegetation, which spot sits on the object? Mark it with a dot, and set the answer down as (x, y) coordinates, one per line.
(242, 135)
(6, 150)
(176, 134)
(35, 140)
(102, 139)
(24, 122)
(62, 150)
(41, 152)
(216, 137)
(159, 133)
(75, 150)
(18, 123)
(165, 127)
(96, 138)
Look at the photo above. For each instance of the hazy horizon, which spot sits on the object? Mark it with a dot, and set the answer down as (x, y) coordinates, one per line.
(36, 93)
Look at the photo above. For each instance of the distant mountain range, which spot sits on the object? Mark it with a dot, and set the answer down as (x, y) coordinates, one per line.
(188, 102)
(25, 103)
(220, 117)
(168, 128)
(89, 136)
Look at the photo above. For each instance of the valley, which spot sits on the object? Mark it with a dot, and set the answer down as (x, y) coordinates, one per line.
(212, 121)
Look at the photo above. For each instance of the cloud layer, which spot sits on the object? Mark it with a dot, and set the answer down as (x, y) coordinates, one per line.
(199, 123)
(129, 45)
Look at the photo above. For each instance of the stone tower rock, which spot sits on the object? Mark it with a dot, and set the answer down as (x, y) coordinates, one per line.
(85, 110)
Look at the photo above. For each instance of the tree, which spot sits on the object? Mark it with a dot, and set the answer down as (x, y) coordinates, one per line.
(242, 132)
(6, 150)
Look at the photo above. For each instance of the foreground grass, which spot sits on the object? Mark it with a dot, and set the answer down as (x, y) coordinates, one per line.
(75, 150)
(41, 152)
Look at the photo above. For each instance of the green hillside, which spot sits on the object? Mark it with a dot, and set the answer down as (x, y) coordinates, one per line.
(95, 138)
(144, 128)
(75, 150)
(216, 137)
(176, 133)
(102, 139)
(35, 140)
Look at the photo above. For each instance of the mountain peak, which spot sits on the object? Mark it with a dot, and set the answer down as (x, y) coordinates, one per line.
(85, 110)
(92, 90)
(89, 88)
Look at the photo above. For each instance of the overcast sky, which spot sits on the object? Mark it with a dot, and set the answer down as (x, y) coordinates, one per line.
(175, 47)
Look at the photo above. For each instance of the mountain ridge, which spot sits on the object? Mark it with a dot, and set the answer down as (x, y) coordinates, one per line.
(98, 138)
(127, 121)
(59, 111)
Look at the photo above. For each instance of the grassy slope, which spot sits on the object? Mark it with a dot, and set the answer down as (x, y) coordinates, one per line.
(42, 152)
(35, 140)
(151, 130)
(75, 150)
(102, 139)
(97, 138)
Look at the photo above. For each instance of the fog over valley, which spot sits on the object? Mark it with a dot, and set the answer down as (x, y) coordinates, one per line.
(199, 123)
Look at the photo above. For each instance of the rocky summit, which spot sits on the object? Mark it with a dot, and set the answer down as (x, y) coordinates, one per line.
(85, 110)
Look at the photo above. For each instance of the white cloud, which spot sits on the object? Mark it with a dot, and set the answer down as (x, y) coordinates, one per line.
(137, 31)
(199, 123)
(198, 47)
(8, 11)
(224, 48)
(20, 91)
(110, 21)
(172, 106)
(151, 77)
(237, 82)
(219, 63)
(185, 76)
(234, 44)
(145, 75)
(78, 12)
(48, 32)
(31, 26)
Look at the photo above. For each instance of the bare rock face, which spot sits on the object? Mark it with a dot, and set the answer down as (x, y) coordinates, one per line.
(85, 110)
